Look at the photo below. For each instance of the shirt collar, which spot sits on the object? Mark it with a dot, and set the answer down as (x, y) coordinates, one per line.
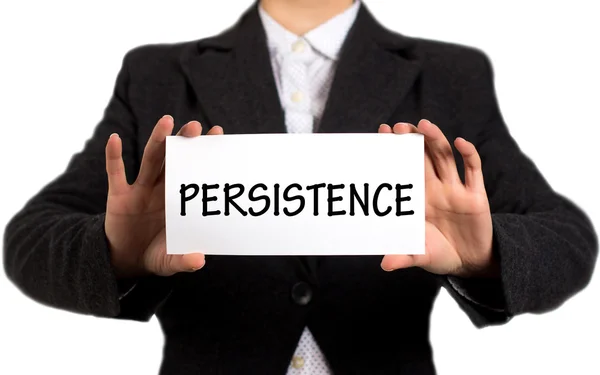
(327, 38)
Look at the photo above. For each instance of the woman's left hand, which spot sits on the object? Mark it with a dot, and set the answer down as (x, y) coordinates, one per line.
(458, 221)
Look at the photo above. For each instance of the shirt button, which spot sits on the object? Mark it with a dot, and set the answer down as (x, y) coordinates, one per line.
(301, 293)
(297, 97)
(297, 362)
(298, 46)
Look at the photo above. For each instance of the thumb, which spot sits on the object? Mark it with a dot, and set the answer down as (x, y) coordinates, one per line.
(158, 262)
(393, 262)
(185, 263)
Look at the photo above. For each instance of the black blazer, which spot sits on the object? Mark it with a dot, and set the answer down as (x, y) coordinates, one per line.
(243, 314)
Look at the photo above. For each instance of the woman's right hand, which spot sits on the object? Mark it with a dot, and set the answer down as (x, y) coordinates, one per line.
(135, 214)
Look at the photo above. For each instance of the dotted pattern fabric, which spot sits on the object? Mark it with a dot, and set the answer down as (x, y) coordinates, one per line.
(308, 358)
(304, 67)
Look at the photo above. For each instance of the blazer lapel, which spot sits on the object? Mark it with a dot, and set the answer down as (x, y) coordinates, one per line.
(373, 76)
(232, 77)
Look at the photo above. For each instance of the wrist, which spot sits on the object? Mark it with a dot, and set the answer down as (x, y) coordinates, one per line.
(125, 266)
(487, 270)
(488, 267)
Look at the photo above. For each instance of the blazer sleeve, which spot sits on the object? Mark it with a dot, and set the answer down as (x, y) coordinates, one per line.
(546, 245)
(55, 247)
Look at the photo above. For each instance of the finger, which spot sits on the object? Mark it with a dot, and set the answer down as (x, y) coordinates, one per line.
(384, 128)
(154, 152)
(215, 130)
(472, 162)
(191, 129)
(392, 262)
(115, 168)
(186, 263)
(430, 172)
(404, 128)
(440, 151)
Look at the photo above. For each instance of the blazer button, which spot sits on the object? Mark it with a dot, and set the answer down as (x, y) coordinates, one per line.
(301, 293)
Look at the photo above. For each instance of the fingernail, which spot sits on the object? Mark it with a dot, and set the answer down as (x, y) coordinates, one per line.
(386, 269)
(168, 116)
(113, 135)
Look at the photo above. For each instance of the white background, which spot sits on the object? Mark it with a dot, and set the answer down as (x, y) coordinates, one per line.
(58, 63)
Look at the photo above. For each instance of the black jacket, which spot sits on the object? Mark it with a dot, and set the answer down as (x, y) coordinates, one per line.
(243, 314)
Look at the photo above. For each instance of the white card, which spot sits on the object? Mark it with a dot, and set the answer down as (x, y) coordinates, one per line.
(207, 211)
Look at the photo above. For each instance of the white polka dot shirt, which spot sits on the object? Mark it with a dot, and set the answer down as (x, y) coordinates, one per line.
(303, 67)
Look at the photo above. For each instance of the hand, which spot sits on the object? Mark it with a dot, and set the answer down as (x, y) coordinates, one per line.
(135, 214)
(458, 221)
